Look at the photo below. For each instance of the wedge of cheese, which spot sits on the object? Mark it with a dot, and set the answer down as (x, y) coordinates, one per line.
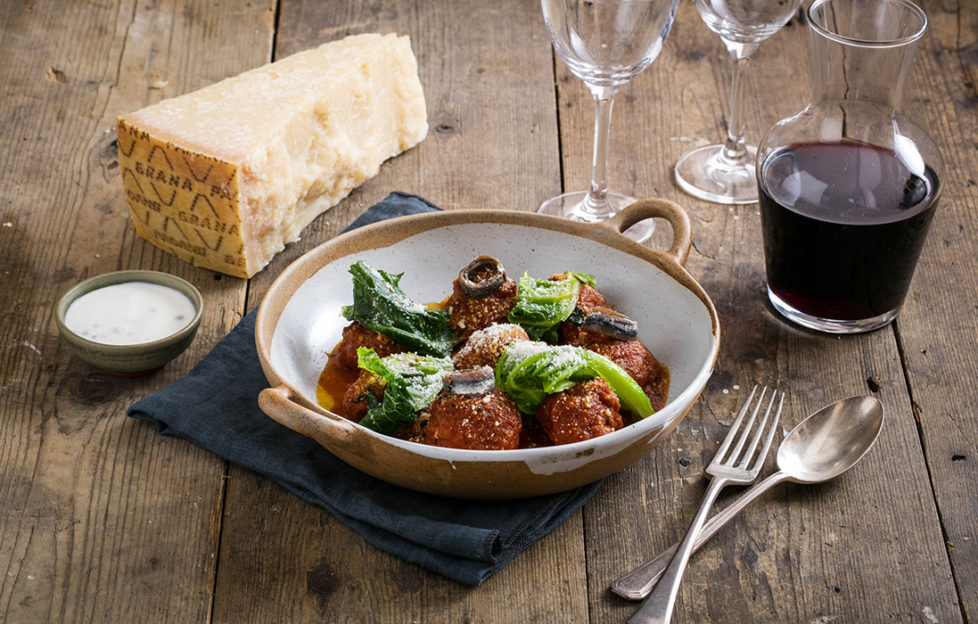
(225, 176)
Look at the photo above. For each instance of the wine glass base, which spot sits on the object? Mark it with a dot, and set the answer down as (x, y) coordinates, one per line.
(705, 173)
(829, 326)
(572, 206)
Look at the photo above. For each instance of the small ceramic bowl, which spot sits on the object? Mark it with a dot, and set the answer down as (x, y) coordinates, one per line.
(130, 360)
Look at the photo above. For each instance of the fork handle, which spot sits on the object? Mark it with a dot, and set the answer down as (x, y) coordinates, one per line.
(637, 584)
(657, 608)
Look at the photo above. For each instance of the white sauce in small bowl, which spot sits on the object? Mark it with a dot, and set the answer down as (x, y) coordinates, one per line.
(129, 313)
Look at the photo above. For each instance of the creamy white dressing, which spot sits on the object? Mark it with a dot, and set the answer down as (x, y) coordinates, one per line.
(129, 313)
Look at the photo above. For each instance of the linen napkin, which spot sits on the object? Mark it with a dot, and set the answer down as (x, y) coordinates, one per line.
(465, 540)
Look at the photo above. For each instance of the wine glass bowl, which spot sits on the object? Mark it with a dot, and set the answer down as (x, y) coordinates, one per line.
(745, 22)
(725, 172)
(605, 43)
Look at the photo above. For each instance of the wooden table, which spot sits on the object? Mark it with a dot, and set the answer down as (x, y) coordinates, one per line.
(104, 520)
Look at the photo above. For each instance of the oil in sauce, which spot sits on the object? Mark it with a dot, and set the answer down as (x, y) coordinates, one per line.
(333, 382)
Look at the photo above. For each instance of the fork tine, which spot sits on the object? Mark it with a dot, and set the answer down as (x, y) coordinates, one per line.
(744, 460)
(770, 432)
(735, 455)
(732, 432)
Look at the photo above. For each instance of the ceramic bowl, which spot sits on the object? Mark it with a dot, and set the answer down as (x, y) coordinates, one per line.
(130, 360)
(299, 322)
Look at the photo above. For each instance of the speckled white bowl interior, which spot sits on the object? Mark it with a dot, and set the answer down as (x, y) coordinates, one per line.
(676, 322)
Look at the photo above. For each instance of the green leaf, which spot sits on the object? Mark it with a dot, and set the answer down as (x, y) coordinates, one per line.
(541, 305)
(380, 304)
(631, 395)
(530, 371)
(413, 381)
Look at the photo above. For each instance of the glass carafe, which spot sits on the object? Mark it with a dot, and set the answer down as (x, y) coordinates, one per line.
(848, 186)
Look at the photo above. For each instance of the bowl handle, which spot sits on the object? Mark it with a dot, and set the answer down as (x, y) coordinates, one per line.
(278, 403)
(682, 232)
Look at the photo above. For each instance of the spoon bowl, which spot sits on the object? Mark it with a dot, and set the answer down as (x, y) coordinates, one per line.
(820, 448)
(831, 441)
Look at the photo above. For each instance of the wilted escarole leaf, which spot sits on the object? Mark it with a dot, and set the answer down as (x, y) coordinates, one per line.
(541, 305)
(529, 371)
(380, 304)
(413, 381)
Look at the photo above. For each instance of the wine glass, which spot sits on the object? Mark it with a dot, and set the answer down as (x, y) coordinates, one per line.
(605, 43)
(724, 173)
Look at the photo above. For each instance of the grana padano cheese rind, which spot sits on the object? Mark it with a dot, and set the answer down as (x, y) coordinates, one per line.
(225, 176)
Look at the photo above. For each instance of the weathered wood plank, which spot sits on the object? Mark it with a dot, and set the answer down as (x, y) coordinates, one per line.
(100, 518)
(283, 560)
(489, 91)
(822, 553)
(938, 328)
(487, 75)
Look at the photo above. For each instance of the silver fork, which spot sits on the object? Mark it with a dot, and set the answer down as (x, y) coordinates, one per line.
(739, 467)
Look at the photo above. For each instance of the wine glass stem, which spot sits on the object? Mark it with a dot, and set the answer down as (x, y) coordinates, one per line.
(596, 203)
(734, 149)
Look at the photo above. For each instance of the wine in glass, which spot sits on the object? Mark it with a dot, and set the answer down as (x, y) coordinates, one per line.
(605, 43)
(725, 173)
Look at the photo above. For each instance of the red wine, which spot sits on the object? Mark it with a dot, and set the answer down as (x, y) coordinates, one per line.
(844, 224)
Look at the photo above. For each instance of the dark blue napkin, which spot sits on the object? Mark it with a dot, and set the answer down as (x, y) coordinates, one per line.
(464, 540)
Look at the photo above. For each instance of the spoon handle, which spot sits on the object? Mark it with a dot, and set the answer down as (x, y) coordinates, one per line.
(638, 583)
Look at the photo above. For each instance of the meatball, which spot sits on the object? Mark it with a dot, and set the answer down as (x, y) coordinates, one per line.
(484, 347)
(469, 314)
(637, 361)
(356, 335)
(571, 333)
(355, 403)
(586, 410)
(532, 435)
(589, 298)
(414, 432)
(486, 421)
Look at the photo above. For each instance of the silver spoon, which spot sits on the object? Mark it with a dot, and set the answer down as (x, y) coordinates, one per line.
(820, 448)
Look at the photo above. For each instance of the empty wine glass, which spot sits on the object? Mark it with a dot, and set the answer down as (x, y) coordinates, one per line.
(724, 173)
(605, 43)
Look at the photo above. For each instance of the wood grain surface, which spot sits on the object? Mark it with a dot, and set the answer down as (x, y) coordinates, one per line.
(104, 520)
